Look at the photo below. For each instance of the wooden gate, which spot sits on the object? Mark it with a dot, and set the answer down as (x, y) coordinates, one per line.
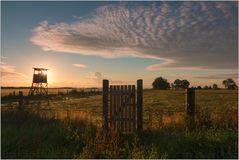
(122, 107)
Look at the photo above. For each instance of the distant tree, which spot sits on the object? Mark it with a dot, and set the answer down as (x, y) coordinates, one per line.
(214, 86)
(210, 87)
(205, 87)
(181, 84)
(160, 83)
(185, 83)
(177, 84)
(199, 87)
(229, 84)
(73, 92)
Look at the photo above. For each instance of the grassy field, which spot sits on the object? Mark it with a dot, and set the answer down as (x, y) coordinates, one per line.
(6, 92)
(25, 91)
(71, 128)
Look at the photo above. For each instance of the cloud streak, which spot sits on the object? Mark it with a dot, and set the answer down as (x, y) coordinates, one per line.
(96, 77)
(9, 71)
(78, 65)
(217, 76)
(182, 34)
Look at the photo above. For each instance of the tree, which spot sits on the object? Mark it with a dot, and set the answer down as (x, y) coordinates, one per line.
(177, 84)
(214, 86)
(199, 87)
(181, 84)
(185, 84)
(229, 84)
(209, 87)
(205, 87)
(160, 83)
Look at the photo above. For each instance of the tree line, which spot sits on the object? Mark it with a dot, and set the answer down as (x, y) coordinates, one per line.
(162, 83)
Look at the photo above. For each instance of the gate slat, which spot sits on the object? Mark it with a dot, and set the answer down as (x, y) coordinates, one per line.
(129, 108)
(125, 108)
(134, 108)
(122, 110)
(111, 119)
(114, 106)
(118, 107)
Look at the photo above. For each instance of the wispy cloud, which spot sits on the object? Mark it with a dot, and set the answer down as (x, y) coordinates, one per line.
(96, 77)
(78, 65)
(217, 76)
(183, 34)
(169, 64)
(9, 71)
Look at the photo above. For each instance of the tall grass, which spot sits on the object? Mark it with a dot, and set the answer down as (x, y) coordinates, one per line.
(72, 129)
(29, 135)
(26, 134)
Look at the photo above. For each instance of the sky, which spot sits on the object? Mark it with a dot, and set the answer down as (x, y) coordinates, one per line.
(82, 43)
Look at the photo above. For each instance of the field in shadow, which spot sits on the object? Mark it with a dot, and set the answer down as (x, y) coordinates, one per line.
(27, 134)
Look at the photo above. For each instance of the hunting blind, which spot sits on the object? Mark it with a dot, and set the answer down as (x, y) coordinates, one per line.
(39, 82)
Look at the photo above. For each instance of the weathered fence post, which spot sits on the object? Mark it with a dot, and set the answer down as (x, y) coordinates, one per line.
(190, 107)
(140, 105)
(105, 104)
(20, 107)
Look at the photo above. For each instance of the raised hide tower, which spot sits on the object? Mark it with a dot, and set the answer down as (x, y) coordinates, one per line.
(39, 82)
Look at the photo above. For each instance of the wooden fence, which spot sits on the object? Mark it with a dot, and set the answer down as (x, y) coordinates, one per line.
(122, 113)
(122, 107)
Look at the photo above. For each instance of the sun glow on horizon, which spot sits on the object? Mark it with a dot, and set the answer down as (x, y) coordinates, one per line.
(50, 77)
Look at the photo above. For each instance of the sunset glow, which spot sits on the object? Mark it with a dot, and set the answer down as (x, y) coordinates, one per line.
(119, 41)
(119, 79)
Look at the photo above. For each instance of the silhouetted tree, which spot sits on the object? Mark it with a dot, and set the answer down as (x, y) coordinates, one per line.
(177, 84)
(229, 84)
(214, 86)
(160, 83)
(205, 87)
(181, 84)
(210, 87)
(199, 87)
(185, 83)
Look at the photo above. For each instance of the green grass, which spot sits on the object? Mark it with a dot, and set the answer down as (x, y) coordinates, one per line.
(26, 135)
(30, 134)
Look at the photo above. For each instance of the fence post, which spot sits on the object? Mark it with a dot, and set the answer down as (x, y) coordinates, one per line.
(105, 104)
(139, 105)
(20, 107)
(190, 107)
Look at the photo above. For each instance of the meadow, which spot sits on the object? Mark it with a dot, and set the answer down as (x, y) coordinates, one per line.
(7, 91)
(70, 127)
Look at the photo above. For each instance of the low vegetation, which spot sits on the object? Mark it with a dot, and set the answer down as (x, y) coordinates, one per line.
(70, 128)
